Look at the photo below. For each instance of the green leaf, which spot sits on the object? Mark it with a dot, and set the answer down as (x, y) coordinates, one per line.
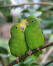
(3, 50)
(35, 64)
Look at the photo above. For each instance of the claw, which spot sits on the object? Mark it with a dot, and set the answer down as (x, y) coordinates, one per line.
(38, 49)
(29, 52)
(17, 59)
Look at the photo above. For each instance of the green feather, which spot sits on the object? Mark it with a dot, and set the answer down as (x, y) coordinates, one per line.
(17, 42)
(33, 34)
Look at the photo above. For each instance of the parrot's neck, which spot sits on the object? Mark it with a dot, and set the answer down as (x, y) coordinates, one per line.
(32, 24)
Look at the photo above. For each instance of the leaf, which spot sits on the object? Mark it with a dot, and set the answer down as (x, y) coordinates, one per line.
(3, 50)
(35, 64)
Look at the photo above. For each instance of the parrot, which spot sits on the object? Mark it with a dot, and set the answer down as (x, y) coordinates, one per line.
(33, 34)
(17, 42)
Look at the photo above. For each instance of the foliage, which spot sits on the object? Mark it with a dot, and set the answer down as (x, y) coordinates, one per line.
(5, 11)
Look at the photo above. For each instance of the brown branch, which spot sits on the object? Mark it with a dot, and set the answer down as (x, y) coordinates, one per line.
(48, 63)
(30, 3)
(26, 55)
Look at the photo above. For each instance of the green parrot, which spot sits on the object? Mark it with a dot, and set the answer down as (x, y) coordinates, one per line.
(33, 33)
(17, 43)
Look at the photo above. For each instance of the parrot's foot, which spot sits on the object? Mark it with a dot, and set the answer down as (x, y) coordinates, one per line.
(29, 52)
(38, 48)
(17, 59)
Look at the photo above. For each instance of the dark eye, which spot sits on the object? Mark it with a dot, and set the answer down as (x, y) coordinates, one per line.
(16, 27)
(32, 20)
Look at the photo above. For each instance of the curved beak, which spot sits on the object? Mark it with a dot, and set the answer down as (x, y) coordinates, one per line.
(22, 27)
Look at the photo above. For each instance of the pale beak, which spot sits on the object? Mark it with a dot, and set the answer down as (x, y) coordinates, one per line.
(22, 27)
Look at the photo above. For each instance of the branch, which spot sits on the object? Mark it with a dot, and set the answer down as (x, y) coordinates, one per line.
(47, 55)
(30, 3)
(48, 63)
(33, 51)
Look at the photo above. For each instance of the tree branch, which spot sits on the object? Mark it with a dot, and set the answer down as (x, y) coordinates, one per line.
(33, 51)
(30, 3)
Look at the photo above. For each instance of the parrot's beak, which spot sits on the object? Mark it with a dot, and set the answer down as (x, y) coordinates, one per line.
(22, 27)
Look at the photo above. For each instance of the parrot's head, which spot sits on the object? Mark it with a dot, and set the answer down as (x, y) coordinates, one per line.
(32, 20)
(15, 29)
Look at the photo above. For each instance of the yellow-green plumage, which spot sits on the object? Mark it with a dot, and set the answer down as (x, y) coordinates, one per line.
(23, 23)
(33, 33)
(17, 42)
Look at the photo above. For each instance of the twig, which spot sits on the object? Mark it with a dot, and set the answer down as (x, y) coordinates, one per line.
(47, 55)
(2, 61)
(48, 63)
(33, 51)
(30, 3)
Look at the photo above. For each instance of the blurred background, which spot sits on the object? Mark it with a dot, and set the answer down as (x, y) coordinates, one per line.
(12, 15)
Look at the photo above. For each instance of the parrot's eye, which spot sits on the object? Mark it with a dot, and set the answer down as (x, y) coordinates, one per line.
(32, 20)
(16, 27)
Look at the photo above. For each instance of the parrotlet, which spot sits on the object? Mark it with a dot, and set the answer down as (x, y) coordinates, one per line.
(33, 34)
(17, 42)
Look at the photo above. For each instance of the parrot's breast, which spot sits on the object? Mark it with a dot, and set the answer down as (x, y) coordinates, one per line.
(34, 36)
(17, 45)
